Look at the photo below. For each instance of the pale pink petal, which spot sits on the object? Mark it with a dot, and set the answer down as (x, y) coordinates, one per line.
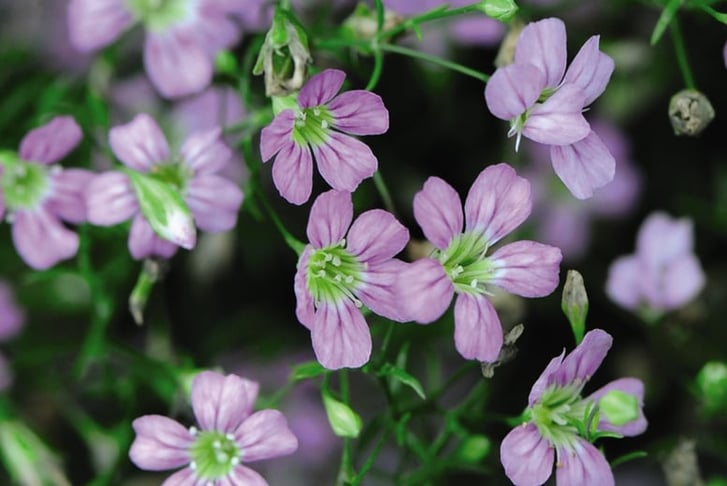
(243, 476)
(584, 465)
(264, 435)
(93, 24)
(184, 477)
(526, 456)
(12, 317)
(590, 70)
(545, 379)
(344, 161)
(578, 367)
(276, 136)
(176, 62)
(110, 199)
(631, 386)
(359, 112)
(477, 30)
(558, 121)
(438, 210)
(512, 90)
(221, 402)
(216, 32)
(321, 88)
(304, 308)
(340, 335)
(543, 44)
(139, 144)
(330, 217)
(205, 152)
(160, 443)
(682, 282)
(477, 328)
(67, 199)
(214, 202)
(293, 173)
(378, 291)
(376, 235)
(623, 284)
(527, 268)
(663, 239)
(42, 240)
(583, 166)
(144, 242)
(425, 290)
(51, 142)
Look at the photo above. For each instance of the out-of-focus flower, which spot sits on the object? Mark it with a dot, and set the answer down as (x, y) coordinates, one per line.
(12, 319)
(182, 36)
(663, 275)
(319, 126)
(544, 102)
(498, 202)
(37, 194)
(561, 423)
(228, 435)
(342, 269)
(192, 174)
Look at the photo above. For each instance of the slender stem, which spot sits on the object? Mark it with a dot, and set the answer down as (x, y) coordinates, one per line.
(346, 471)
(376, 73)
(681, 53)
(719, 16)
(296, 245)
(372, 458)
(437, 13)
(405, 51)
(384, 192)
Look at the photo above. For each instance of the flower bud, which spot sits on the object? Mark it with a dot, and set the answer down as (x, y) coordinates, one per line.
(575, 303)
(502, 10)
(363, 22)
(690, 112)
(474, 449)
(344, 421)
(619, 407)
(712, 385)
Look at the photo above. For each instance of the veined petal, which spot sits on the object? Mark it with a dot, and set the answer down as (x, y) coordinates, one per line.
(378, 291)
(583, 166)
(590, 70)
(304, 308)
(161, 443)
(340, 335)
(630, 386)
(264, 435)
(110, 199)
(42, 240)
(205, 152)
(583, 465)
(543, 44)
(277, 135)
(293, 173)
(558, 121)
(438, 210)
(139, 144)
(376, 235)
(330, 217)
(222, 402)
(321, 88)
(477, 328)
(623, 284)
(214, 202)
(176, 62)
(93, 24)
(512, 90)
(526, 456)
(545, 379)
(51, 142)
(498, 202)
(663, 239)
(527, 268)
(359, 112)
(682, 281)
(144, 242)
(67, 200)
(215, 31)
(425, 290)
(344, 161)
(183, 477)
(243, 476)
(584, 360)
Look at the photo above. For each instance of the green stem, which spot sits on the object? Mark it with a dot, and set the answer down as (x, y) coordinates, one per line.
(346, 471)
(405, 51)
(384, 192)
(681, 53)
(437, 13)
(719, 16)
(372, 458)
(296, 245)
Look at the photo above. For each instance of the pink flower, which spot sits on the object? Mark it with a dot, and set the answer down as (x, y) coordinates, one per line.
(318, 127)
(543, 102)
(213, 200)
(12, 320)
(38, 195)
(342, 269)
(229, 435)
(182, 36)
(664, 274)
(498, 202)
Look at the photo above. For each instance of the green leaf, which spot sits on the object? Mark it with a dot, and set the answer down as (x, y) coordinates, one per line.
(667, 15)
(402, 376)
(344, 421)
(307, 370)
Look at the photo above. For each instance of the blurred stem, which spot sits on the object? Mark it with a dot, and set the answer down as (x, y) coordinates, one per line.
(384, 192)
(719, 16)
(437, 13)
(405, 51)
(296, 245)
(345, 473)
(681, 53)
(372, 458)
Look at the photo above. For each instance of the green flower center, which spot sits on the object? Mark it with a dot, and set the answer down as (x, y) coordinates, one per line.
(213, 454)
(24, 184)
(158, 15)
(312, 125)
(561, 415)
(465, 263)
(333, 274)
(176, 174)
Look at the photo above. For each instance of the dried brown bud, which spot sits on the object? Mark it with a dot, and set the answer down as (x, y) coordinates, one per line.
(690, 112)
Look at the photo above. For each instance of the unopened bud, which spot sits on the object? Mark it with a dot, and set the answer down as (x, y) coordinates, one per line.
(619, 407)
(363, 23)
(344, 421)
(502, 10)
(474, 449)
(712, 385)
(690, 112)
(575, 303)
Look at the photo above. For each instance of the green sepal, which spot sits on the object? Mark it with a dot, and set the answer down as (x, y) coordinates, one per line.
(309, 369)
(402, 376)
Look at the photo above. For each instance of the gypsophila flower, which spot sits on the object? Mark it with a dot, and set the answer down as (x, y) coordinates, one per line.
(36, 194)
(319, 127)
(228, 435)
(342, 269)
(498, 202)
(561, 424)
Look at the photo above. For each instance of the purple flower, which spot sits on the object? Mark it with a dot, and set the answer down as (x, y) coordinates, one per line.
(12, 319)
(182, 36)
(664, 274)
(141, 146)
(560, 423)
(498, 202)
(342, 269)
(544, 102)
(37, 195)
(228, 435)
(318, 127)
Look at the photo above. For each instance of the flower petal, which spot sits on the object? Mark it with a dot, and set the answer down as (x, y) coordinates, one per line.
(176, 63)
(222, 402)
(110, 199)
(559, 120)
(438, 210)
(144, 242)
(51, 142)
(243, 476)
(682, 281)
(590, 70)
(304, 309)
(205, 152)
(624, 282)
(215, 31)
(264, 435)
(584, 465)
(425, 290)
(545, 379)
(527, 268)
(214, 202)
(93, 24)
(161, 443)
(340, 335)
(543, 44)
(139, 144)
(631, 386)
(183, 477)
(498, 202)
(477, 328)
(526, 456)
(67, 200)
(277, 135)
(293, 173)
(344, 161)
(512, 90)
(359, 112)
(376, 235)
(321, 88)
(663, 239)
(42, 240)
(378, 291)
(584, 360)
(584, 166)
(330, 217)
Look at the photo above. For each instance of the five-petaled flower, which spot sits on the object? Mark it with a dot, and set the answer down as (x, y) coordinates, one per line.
(561, 423)
(36, 194)
(498, 202)
(342, 269)
(545, 105)
(228, 435)
(318, 127)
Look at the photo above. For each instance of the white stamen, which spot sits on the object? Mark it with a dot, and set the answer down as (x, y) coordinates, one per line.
(349, 279)
(193, 465)
(473, 283)
(337, 261)
(55, 169)
(316, 111)
(235, 461)
(193, 431)
(216, 444)
(324, 124)
(357, 303)
(229, 437)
